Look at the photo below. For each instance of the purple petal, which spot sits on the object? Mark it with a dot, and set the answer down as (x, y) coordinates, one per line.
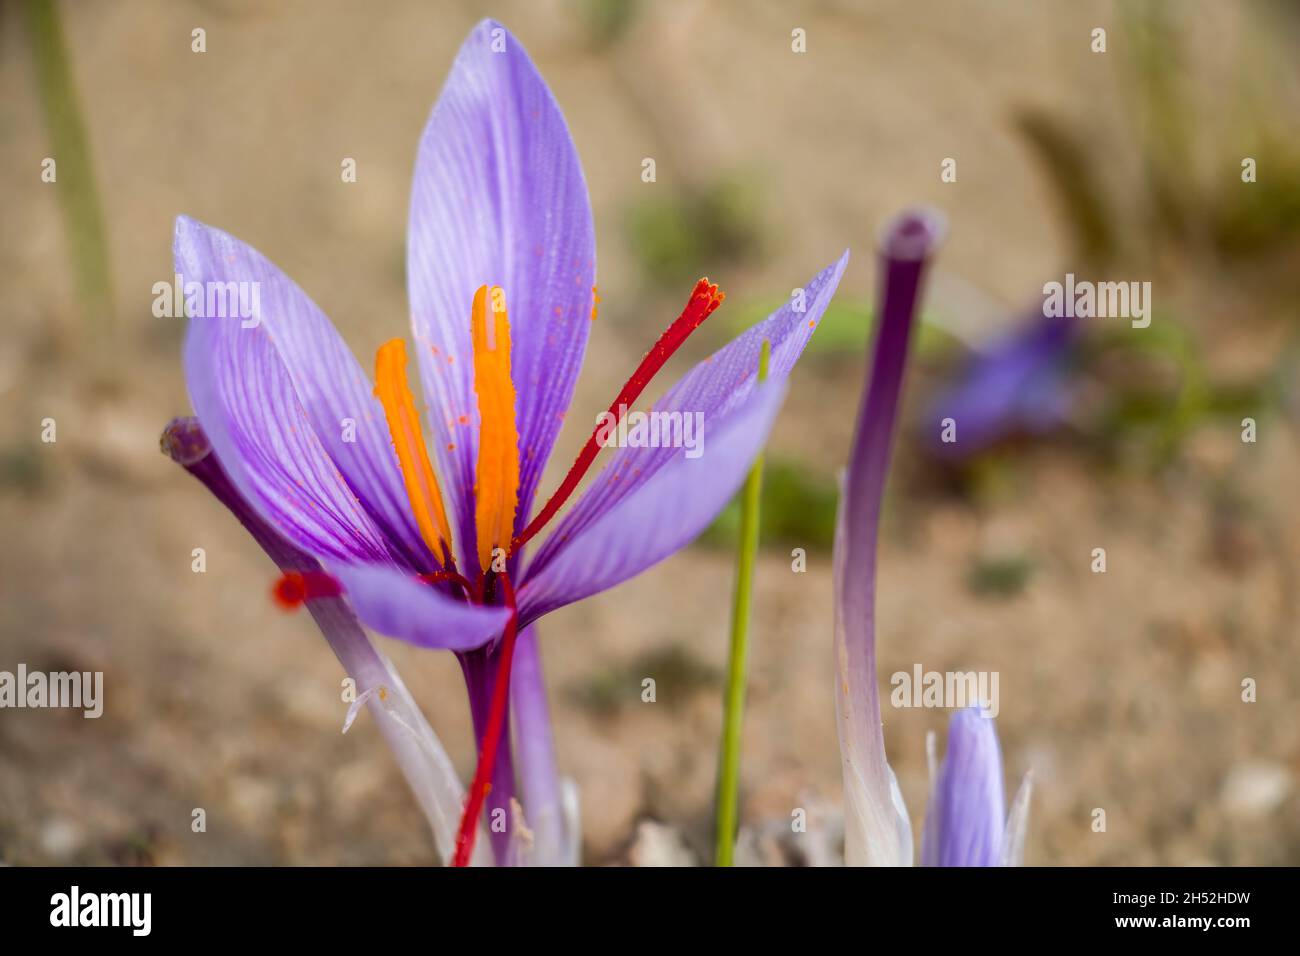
(873, 834)
(275, 392)
(1016, 386)
(498, 198)
(964, 823)
(715, 387)
(404, 607)
(660, 517)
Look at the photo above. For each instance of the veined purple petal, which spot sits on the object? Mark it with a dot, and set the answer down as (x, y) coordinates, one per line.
(660, 517)
(964, 823)
(714, 388)
(416, 747)
(876, 833)
(498, 198)
(281, 397)
(399, 605)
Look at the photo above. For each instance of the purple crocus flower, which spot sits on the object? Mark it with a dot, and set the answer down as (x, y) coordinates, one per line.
(1016, 385)
(431, 549)
(965, 816)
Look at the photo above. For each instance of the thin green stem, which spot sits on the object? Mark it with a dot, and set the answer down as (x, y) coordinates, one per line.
(741, 610)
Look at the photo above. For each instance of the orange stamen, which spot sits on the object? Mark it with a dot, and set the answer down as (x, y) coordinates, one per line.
(496, 479)
(408, 441)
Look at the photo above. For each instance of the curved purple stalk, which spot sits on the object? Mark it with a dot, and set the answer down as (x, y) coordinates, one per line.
(877, 829)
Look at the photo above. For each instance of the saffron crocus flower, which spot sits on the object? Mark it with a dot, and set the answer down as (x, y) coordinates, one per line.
(966, 824)
(1015, 386)
(430, 548)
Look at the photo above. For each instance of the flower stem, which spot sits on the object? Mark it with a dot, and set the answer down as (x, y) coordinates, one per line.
(497, 724)
(555, 842)
(741, 609)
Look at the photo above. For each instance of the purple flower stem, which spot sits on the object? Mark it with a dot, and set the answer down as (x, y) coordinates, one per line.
(480, 670)
(538, 771)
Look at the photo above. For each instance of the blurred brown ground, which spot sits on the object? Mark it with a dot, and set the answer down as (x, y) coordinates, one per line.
(1120, 691)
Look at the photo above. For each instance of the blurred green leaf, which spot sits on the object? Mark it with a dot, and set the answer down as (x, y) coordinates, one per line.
(798, 510)
(75, 182)
(23, 467)
(1064, 157)
(608, 20)
(844, 330)
(675, 670)
(1002, 576)
(671, 234)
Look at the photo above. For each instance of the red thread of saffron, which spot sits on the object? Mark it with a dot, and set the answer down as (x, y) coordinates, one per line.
(487, 757)
(704, 300)
(436, 577)
(294, 587)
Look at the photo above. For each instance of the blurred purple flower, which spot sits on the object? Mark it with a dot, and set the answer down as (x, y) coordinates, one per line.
(1018, 385)
(966, 806)
(338, 467)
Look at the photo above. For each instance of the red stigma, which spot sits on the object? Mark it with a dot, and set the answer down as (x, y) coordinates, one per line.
(705, 299)
(468, 591)
(487, 757)
(295, 587)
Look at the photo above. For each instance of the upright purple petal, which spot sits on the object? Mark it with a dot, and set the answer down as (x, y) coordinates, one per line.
(716, 387)
(498, 198)
(874, 833)
(288, 409)
(660, 517)
(965, 821)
